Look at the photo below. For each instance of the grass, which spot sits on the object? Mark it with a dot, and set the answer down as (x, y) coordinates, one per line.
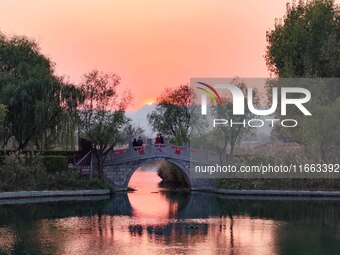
(277, 155)
(70, 180)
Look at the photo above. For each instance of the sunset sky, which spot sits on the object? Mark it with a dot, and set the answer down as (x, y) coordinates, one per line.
(151, 44)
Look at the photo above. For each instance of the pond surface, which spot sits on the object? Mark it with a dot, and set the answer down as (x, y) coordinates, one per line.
(156, 221)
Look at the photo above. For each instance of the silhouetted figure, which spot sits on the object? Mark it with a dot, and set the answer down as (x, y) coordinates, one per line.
(158, 139)
(134, 143)
(140, 141)
(162, 139)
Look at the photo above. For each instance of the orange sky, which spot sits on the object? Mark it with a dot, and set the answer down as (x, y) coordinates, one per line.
(151, 44)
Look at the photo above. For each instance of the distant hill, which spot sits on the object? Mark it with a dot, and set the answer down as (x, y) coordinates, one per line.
(139, 118)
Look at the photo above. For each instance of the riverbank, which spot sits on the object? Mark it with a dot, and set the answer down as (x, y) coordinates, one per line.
(47, 196)
(53, 194)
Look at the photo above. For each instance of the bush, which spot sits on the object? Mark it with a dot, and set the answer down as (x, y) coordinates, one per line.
(27, 171)
(70, 180)
(59, 153)
(20, 172)
(171, 174)
(54, 164)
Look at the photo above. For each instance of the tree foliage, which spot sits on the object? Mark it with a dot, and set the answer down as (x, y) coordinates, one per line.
(171, 175)
(34, 96)
(172, 114)
(102, 114)
(306, 42)
(2, 117)
(322, 133)
(223, 139)
(131, 131)
(2, 113)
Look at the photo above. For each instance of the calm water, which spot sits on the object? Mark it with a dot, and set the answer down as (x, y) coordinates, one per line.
(153, 221)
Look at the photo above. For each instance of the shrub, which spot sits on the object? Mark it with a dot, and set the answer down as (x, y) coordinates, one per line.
(27, 171)
(69, 180)
(21, 171)
(95, 183)
(54, 164)
(171, 174)
(58, 153)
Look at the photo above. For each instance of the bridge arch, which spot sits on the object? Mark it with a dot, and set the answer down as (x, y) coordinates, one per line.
(119, 173)
(182, 166)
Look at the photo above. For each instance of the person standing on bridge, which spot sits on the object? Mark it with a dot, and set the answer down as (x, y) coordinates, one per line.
(158, 139)
(162, 139)
(135, 143)
(140, 146)
(140, 141)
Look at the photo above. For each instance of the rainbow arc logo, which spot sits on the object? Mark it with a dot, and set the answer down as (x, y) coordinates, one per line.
(215, 97)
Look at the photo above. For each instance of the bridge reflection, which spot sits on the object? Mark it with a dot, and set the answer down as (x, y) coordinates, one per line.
(200, 222)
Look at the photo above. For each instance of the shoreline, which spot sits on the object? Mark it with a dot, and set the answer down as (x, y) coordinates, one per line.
(39, 200)
(23, 197)
(53, 194)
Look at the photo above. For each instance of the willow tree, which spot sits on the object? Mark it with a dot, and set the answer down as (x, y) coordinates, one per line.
(34, 96)
(102, 114)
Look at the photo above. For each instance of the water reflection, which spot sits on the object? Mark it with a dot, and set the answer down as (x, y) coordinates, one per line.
(171, 223)
(153, 201)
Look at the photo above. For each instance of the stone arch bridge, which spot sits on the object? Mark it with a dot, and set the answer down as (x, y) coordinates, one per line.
(121, 164)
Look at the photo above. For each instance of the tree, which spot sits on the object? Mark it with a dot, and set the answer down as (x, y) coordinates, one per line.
(130, 131)
(2, 117)
(34, 96)
(322, 134)
(2, 112)
(306, 42)
(223, 138)
(102, 114)
(172, 114)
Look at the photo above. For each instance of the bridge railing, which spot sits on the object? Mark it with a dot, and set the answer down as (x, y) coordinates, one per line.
(167, 150)
(148, 150)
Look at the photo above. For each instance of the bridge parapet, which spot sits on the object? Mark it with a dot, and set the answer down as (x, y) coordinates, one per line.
(151, 150)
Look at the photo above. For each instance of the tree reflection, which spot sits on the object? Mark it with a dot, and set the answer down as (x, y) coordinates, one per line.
(203, 222)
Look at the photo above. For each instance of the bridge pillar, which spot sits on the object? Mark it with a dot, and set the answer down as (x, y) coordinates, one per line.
(117, 175)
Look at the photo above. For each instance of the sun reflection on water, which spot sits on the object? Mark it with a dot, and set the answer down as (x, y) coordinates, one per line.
(154, 221)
